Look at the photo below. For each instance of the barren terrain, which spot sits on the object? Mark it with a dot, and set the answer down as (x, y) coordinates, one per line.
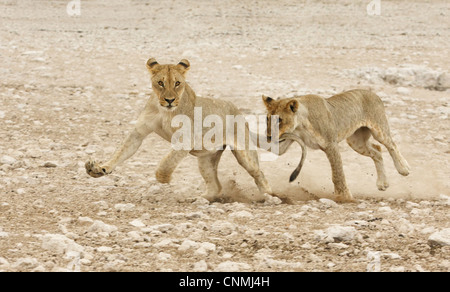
(72, 86)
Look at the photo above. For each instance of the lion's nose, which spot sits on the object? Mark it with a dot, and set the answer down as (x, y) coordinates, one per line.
(169, 100)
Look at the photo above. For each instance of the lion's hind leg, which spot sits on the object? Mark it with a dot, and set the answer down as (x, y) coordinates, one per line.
(382, 134)
(359, 142)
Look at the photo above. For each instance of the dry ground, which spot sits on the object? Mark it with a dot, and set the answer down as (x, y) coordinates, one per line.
(71, 88)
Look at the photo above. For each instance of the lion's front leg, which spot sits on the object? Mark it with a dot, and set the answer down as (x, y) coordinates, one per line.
(168, 164)
(341, 190)
(125, 151)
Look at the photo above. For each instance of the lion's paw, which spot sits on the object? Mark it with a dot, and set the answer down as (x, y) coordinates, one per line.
(382, 185)
(163, 178)
(94, 169)
(344, 197)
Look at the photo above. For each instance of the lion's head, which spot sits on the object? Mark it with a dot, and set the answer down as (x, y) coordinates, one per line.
(284, 110)
(168, 81)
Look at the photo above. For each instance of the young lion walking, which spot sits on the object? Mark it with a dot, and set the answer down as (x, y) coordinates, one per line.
(171, 97)
(321, 123)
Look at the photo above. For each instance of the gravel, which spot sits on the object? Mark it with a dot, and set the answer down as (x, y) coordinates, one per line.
(72, 91)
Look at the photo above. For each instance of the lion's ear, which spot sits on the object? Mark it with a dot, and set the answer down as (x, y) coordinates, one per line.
(152, 65)
(183, 66)
(267, 101)
(292, 105)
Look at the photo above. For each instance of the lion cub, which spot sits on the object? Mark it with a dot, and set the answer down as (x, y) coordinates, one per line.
(322, 123)
(173, 97)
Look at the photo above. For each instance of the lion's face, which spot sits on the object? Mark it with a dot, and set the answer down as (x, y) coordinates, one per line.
(168, 82)
(283, 111)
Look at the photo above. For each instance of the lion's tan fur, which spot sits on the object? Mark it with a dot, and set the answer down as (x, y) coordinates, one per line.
(322, 123)
(172, 96)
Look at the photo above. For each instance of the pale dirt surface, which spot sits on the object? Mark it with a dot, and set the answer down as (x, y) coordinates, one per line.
(71, 88)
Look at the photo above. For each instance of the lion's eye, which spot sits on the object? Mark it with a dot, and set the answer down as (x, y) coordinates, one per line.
(177, 83)
(160, 83)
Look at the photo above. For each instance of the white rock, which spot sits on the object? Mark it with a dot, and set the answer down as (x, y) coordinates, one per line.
(165, 227)
(385, 210)
(100, 226)
(298, 216)
(162, 256)
(3, 263)
(338, 245)
(85, 221)
(114, 265)
(364, 215)
(321, 236)
(60, 244)
(205, 248)
(167, 242)
(25, 264)
(443, 82)
(21, 191)
(307, 208)
(445, 199)
(306, 245)
(391, 255)
(124, 207)
(2, 114)
(271, 200)
(428, 230)
(101, 204)
(420, 212)
(154, 189)
(328, 203)
(137, 223)
(227, 255)
(440, 238)
(404, 226)
(5, 159)
(3, 234)
(223, 227)
(315, 258)
(230, 266)
(188, 244)
(411, 205)
(397, 269)
(280, 264)
(403, 90)
(241, 215)
(135, 236)
(340, 233)
(200, 266)
(104, 249)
